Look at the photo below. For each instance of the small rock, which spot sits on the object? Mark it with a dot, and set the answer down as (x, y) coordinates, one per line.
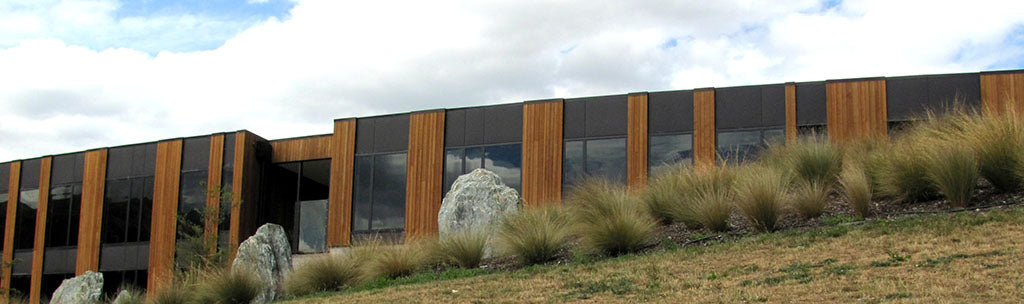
(477, 201)
(85, 288)
(268, 256)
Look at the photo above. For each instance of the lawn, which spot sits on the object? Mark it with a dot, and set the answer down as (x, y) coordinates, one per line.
(972, 257)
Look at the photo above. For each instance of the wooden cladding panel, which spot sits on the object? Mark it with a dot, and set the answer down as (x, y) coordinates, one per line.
(306, 148)
(39, 244)
(165, 213)
(790, 112)
(542, 152)
(246, 189)
(91, 216)
(856, 109)
(424, 173)
(213, 190)
(636, 141)
(12, 212)
(704, 148)
(339, 210)
(1001, 92)
(234, 232)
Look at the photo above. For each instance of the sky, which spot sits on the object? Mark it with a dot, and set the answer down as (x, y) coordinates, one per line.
(83, 74)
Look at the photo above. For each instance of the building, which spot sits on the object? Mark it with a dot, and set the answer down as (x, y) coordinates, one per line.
(116, 209)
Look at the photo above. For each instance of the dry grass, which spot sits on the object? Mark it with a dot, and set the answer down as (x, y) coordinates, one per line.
(954, 172)
(463, 249)
(964, 258)
(535, 235)
(857, 189)
(809, 199)
(324, 273)
(608, 219)
(760, 192)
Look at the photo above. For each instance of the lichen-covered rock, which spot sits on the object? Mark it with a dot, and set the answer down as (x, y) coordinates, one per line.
(269, 256)
(477, 201)
(85, 288)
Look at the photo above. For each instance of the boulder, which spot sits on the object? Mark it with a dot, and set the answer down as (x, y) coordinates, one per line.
(476, 202)
(268, 256)
(85, 288)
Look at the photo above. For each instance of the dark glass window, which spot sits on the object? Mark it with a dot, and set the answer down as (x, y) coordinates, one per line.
(666, 150)
(128, 194)
(113, 281)
(379, 194)
(742, 146)
(20, 285)
(299, 198)
(28, 202)
(63, 214)
(226, 181)
(5, 174)
(192, 200)
(600, 158)
(503, 160)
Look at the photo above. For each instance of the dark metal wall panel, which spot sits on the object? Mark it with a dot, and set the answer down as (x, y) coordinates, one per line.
(5, 173)
(195, 154)
(30, 173)
(773, 105)
(475, 126)
(144, 159)
(124, 257)
(947, 89)
(23, 265)
(67, 168)
(455, 128)
(574, 125)
(737, 107)
(906, 97)
(391, 133)
(59, 260)
(811, 108)
(670, 112)
(503, 124)
(607, 116)
(364, 135)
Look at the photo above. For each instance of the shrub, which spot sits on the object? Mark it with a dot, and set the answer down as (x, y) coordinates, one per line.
(711, 199)
(954, 172)
(809, 199)
(814, 160)
(535, 235)
(229, 286)
(665, 193)
(608, 219)
(759, 194)
(857, 189)
(327, 272)
(904, 173)
(399, 260)
(464, 249)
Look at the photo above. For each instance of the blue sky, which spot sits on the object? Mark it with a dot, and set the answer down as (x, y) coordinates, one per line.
(81, 74)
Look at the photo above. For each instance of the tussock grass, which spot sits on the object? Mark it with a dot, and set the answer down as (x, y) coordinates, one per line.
(809, 198)
(399, 260)
(228, 286)
(997, 143)
(463, 249)
(856, 189)
(760, 192)
(608, 219)
(535, 235)
(954, 172)
(712, 198)
(904, 171)
(177, 293)
(324, 273)
(133, 295)
(812, 160)
(666, 192)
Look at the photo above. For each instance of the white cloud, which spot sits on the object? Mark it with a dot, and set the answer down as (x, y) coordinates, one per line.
(334, 59)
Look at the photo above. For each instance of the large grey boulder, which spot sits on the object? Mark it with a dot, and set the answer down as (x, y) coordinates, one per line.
(85, 288)
(476, 202)
(268, 256)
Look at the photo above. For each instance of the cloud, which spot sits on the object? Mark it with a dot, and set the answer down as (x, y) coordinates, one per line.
(282, 77)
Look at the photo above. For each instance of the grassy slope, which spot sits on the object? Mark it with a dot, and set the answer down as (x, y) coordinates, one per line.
(964, 257)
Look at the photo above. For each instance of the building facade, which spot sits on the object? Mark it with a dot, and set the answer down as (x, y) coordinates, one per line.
(124, 210)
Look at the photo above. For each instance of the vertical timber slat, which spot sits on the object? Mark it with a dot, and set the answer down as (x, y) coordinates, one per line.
(790, 112)
(12, 209)
(856, 110)
(165, 213)
(213, 190)
(636, 141)
(40, 237)
(1001, 91)
(425, 173)
(704, 148)
(339, 210)
(91, 216)
(542, 152)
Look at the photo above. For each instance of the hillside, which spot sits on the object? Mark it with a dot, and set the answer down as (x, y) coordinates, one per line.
(972, 256)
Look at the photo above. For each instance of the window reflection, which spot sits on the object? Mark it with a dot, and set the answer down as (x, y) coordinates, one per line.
(601, 158)
(503, 160)
(743, 146)
(667, 150)
(379, 194)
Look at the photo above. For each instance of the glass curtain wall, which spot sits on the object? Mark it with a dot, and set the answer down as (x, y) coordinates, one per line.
(745, 145)
(378, 206)
(300, 198)
(62, 218)
(127, 214)
(24, 227)
(5, 174)
(503, 160)
(667, 150)
(192, 193)
(227, 193)
(599, 158)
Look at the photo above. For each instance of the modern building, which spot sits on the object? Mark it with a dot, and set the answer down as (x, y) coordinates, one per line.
(116, 209)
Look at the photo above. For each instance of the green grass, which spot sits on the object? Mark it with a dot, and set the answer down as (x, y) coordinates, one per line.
(324, 273)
